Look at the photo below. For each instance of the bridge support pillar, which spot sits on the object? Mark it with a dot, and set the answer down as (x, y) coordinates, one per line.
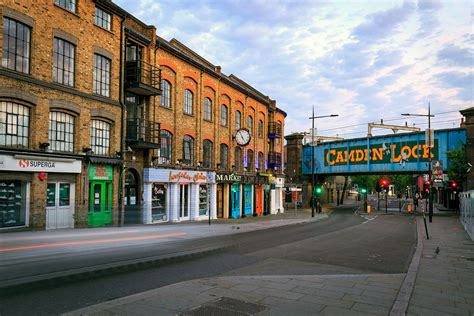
(469, 124)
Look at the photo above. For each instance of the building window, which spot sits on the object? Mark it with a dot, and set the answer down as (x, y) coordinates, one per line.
(100, 137)
(165, 93)
(224, 156)
(260, 128)
(224, 115)
(61, 131)
(238, 159)
(188, 150)
(188, 102)
(69, 5)
(207, 109)
(16, 46)
(103, 19)
(63, 62)
(237, 120)
(207, 154)
(13, 202)
(166, 139)
(101, 75)
(14, 124)
(158, 202)
(250, 160)
(260, 165)
(250, 124)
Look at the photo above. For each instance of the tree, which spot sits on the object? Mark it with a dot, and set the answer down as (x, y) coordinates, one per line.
(457, 160)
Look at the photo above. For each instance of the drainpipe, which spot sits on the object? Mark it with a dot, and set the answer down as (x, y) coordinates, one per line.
(122, 127)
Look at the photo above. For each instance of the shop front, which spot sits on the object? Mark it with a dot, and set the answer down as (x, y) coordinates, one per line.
(45, 184)
(276, 194)
(259, 196)
(229, 195)
(177, 195)
(100, 195)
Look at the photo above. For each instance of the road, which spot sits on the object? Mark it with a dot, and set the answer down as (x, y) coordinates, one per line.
(345, 243)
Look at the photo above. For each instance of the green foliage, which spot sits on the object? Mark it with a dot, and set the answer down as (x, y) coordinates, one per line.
(457, 160)
(370, 182)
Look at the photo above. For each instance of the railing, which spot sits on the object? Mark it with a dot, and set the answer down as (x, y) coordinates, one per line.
(466, 206)
(274, 159)
(140, 130)
(274, 130)
(142, 72)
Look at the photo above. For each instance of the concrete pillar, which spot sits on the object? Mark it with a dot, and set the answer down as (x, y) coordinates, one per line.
(174, 211)
(469, 124)
(147, 218)
(213, 201)
(194, 202)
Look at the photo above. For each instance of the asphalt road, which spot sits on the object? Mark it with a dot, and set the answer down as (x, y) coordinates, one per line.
(345, 243)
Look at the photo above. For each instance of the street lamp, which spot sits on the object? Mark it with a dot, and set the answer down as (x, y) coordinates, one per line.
(312, 118)
(428, 143)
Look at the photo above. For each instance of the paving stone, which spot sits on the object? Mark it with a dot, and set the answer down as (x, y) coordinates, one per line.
(297, 306)
(141, 310)
(369, 300)
(244, 288)
(368, 308)
(425, 311)
(276, 285)
(344, 289)
(327, 301)
(304, 283)
(376, 288)
(426, 300)
(337, 311)
(345, 283)
(387, 296)
(279, 293)
(385, 285)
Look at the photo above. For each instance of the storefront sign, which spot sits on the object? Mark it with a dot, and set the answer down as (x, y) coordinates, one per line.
(437, 170)
(101, 172)
(39, 164)
(228, 178)
(177, 176)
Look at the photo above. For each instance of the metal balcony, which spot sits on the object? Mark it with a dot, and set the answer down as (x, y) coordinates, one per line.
(142, 78)
(143, 134)
(274, 159)
(274, 130)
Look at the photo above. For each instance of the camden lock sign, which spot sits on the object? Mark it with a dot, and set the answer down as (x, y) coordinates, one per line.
(402, 152)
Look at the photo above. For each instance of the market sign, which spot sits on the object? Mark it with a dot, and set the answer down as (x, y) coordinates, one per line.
(39, 164)
(100, 172)
(402, 152)
(228, 178)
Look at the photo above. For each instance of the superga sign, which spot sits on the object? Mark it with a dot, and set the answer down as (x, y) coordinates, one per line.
(39, 164)
(403, 152)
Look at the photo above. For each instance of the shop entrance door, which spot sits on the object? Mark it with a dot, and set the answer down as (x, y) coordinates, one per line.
(132, 198)
(235, 200)
(60, 205)
(184, 202)
(266, 202)
(220, 201)
(100, 203)
(259, 200)
(247, 199)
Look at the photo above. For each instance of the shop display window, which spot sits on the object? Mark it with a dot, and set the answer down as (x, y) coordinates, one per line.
(12, 203)
(158, 200)
(203, 200)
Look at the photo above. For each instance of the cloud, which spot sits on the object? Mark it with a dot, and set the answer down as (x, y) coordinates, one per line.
(456, 56)
(463, 82)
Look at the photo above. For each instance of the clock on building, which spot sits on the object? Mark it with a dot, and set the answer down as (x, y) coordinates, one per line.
(242, 137)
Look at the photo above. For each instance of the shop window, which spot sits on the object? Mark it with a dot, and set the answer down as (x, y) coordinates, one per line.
(207, 109)
(237, 120)
(224, 155)
(103, 19)
(64, 193)
(61, 131)
(224, 115)
(166, 142)
(158, 200)
(101, 85)
(14, 124)
(207, 154)
(203, 200)
(16, 46)
(12, 203)
(69, 5)
(100, 137)
(63, 62)
(165, 93)
(51, 194)
(188, 150)
(188, 102)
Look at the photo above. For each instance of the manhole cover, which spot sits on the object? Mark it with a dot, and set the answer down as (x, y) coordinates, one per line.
(226, 306)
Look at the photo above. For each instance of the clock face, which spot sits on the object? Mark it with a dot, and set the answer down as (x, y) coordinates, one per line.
(242, 137)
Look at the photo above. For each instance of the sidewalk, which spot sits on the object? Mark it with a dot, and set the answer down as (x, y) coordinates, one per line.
(436, 284)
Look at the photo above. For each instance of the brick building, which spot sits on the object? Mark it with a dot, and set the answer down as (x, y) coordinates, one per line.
(80, 114)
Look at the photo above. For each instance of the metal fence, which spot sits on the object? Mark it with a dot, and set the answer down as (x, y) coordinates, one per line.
(466, 201)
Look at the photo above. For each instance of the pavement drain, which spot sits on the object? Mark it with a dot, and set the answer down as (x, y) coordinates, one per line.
(225, 306)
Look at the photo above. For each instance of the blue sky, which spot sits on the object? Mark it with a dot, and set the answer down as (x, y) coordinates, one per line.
(363, 60)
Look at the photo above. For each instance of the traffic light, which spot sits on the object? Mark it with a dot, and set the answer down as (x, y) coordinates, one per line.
(363, 191)
(454, 185)
(318, 190)
(384, 184)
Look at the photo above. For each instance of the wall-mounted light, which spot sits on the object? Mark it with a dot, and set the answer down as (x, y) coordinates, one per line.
(43, 146)
(87, 150)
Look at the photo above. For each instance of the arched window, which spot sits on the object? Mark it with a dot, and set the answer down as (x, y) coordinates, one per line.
(207, 109)
(224, 154)
(16, 45)
(250, 124)
(260, 128)
(224, 115)
(188, 102)
(165, 93)
(188, 150)
(14, 124)
(238, 161)
(207, 153)
(166, 146)
(250, 161)
(237, 120)
(61, 131)
(100, 137)
(261, 164)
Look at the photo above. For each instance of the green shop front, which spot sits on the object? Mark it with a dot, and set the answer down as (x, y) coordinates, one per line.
(100, 195)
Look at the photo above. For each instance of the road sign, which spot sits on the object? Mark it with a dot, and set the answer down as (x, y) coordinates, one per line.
(429, 137)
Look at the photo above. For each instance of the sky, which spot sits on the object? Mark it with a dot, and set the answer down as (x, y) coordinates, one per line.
(362, 60)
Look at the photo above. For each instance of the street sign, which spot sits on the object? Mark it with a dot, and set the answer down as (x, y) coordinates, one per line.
(437, 169)
(429, 137)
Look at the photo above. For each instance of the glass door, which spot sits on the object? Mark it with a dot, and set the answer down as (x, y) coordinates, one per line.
(247, 199)
(184, 202)
(100, 203)
(59, 205)
(258, 200)
(235, 200)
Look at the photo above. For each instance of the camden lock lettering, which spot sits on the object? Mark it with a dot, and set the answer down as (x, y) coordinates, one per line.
(403, 152)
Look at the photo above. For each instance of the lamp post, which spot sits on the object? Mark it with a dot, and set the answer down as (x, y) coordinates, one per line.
(428, 142)
(312, 118)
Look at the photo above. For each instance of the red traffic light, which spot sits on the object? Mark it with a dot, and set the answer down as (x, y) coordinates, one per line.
(454, 184)
(429, 182)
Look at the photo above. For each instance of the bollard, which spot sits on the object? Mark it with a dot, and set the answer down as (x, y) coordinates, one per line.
(409, 208)
(368, 209)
